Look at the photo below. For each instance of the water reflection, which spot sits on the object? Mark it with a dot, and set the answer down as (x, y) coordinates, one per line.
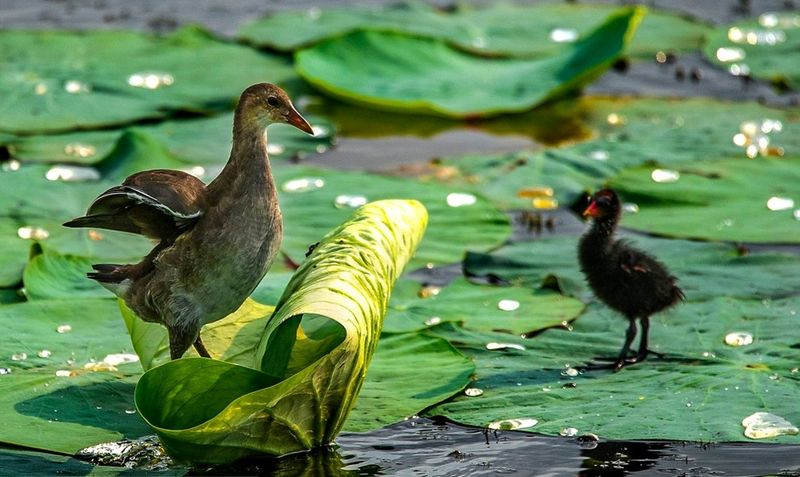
(537, 124)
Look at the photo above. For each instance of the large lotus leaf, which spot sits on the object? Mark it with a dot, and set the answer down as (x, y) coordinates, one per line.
(515, 310)
(734, 199)
(656, 132)
(765, 47)
(26, 462)
(50, 275)
(504, 30)
(64, 414)
(13, 253)
(701, 391)
(57, 81)
(205, 141)
(313, 354)
(704, 270)
(427, 76)
(308, 213)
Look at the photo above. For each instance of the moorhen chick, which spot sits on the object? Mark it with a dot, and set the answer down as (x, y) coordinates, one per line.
(215, 242)
(626, 279)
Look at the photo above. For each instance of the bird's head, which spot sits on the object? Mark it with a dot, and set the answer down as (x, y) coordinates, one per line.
(265, 103)
(604, 203)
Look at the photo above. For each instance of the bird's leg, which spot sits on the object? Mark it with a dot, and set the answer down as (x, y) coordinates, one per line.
(179, 341)
(630, 334)
(643, 348)
(201, 348)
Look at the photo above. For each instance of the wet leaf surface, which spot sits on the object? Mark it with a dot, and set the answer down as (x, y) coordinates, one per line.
(499, 30)
(64, 81)
(427, 76)
(701, 391)
(759, 47)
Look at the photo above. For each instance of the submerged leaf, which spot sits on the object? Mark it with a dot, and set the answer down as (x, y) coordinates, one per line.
(427, 76)
(313, 354)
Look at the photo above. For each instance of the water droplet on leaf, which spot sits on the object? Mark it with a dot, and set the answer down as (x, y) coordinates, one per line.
(303, 184)
(32, 233)
(76, 87)
(568, 432)
(72, 173)
(4, 371)
(352, 201)
(738, 338)
(665, 176)
(563, 35)
(433, 321)
(780, 203)
(460, 199)
(11, 166)
(64, 373)
(45, 353)
(508, 305)
(512, 424)
(763, 425)
(493, 346)
(19, 356)
(473, 392)
(150, 80)
(64, 328)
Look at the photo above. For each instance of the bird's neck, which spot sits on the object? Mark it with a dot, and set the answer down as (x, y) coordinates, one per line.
(248, 169)
(598, 237)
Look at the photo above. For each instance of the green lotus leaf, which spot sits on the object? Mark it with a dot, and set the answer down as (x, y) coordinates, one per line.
(312, 357)
(50, 275)
(59, 81)
(704, 270)
(655, 132)
(759, 47)
(65, 413)
(427, 76)
(734, 199)
(201, 142)
(515, 310)
(26, 462)
(13, 253)
(309, 211)
(499, 30)
(701, 391)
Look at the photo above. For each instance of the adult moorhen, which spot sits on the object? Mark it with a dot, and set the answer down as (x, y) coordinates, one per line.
(215, 242)
(628, 280)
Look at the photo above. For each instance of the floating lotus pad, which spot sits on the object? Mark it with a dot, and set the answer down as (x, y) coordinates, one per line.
(515, 310)
(427, 76)
(499, 30)
(59, 81)
(734, 199)
(704, 270)
(700, 392)
(665, 134)
(762, 48)
(200, 142)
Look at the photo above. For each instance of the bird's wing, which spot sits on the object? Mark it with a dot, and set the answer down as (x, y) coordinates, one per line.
(158, 204)
(632, 261)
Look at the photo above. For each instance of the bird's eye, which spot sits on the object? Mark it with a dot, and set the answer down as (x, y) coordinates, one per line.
(603, 200)
(273, 101)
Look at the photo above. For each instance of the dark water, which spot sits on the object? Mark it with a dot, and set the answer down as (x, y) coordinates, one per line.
(427, 447)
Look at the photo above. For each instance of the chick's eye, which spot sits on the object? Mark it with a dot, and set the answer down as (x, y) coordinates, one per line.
(273, 101)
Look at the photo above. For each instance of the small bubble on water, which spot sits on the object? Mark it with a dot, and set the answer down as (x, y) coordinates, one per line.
(512, 424)
(19, 356)
(738, 338)
(63, 329)
(508, 305)
(588, 441)
(473, 392)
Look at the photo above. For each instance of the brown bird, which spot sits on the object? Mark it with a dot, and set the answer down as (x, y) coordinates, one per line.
(215, 242)
(628, 280)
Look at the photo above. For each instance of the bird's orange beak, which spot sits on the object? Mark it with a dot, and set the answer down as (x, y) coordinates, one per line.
(592, 210)
(295, 119)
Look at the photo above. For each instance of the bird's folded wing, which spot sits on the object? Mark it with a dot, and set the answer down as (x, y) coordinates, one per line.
(158, 203)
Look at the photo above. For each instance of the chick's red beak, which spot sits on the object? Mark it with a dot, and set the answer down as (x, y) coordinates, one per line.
(592, 210)
(299, 122)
